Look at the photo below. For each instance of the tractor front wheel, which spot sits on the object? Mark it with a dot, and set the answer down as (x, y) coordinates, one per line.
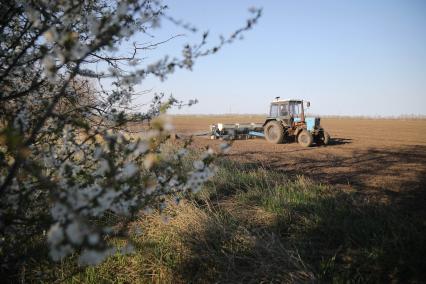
(305, 138)
(323, 138)
(274, 132)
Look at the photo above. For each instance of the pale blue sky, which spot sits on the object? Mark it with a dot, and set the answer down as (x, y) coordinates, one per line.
(359, 57)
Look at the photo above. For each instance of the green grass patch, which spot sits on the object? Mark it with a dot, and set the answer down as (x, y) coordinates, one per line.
(341, 236)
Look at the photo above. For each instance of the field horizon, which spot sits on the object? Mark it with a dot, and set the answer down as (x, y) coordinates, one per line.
(373, 117)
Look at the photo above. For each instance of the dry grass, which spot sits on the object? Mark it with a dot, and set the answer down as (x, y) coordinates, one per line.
(252, 225)
(189, 243)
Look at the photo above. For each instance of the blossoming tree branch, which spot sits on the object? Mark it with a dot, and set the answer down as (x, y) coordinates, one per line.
(66, 157)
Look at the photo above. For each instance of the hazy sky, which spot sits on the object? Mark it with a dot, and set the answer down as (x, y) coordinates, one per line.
(360, 57)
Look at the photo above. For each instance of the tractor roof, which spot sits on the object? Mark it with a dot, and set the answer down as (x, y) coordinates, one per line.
(286, 100)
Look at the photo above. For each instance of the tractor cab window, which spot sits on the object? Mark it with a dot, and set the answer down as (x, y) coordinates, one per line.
(274, 110)
(295, 109)
(279, 110)
(284, 109)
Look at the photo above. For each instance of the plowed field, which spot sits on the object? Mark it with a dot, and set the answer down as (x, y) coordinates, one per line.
(385, 159)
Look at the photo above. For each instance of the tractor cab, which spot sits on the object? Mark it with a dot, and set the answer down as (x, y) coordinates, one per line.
(287, 111)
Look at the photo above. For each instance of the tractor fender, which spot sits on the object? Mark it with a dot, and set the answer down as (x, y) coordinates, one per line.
(268, 120)
(297, 131)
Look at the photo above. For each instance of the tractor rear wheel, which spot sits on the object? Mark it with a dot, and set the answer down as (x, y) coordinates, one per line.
(305, 138)
(274, 132)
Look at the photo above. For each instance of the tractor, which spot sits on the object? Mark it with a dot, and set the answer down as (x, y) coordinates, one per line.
(287, 122)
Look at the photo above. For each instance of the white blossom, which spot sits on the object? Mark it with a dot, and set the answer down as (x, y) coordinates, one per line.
(55, 234)
(58, 253)
(129, 170)
(103, 167)
(93, 238)
(198, 165)
(182, 152)
(141, 148)
(59, 212)
(75, 232)
(93, 257)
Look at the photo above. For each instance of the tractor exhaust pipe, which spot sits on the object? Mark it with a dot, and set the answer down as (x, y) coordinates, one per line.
(302, 114)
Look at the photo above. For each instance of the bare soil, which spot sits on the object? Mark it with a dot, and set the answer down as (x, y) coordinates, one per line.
(385, 159)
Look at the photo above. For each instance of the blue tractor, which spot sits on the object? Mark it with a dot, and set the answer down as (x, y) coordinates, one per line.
(287, 122)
